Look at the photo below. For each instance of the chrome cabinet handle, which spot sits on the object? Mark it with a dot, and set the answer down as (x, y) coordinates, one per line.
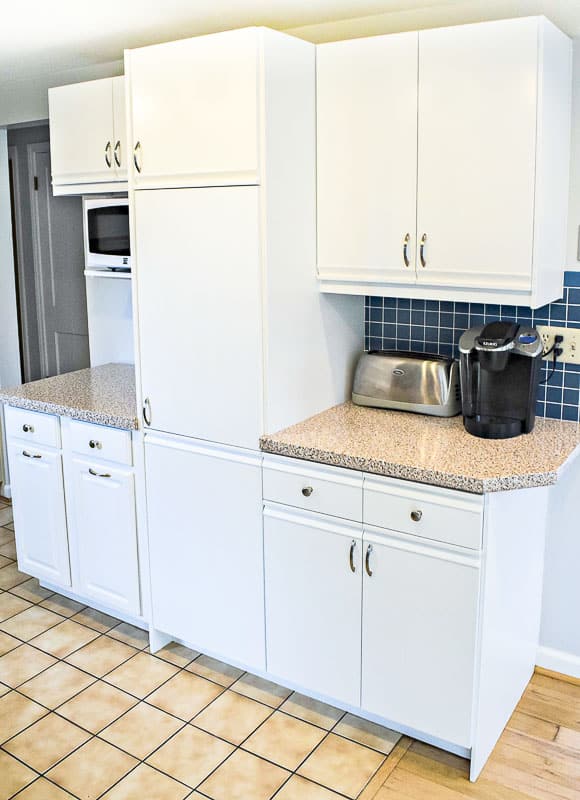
(99, 474)
(422, 250)
(147, 411)
(108, 161)
(416, 516)
(406, 241)
(31, 455)
(136, 153)
(307, 491)
(117, 152)
(351, 555)
(28, 428)
(94, 444)
(368, 560)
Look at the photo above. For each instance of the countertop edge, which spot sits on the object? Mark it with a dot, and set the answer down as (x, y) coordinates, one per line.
(269, 444)
(80, 414)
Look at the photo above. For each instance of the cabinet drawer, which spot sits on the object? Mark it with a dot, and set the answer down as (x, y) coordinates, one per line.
(32, 426)
(98, 441)
(443, 515)
(328, 490)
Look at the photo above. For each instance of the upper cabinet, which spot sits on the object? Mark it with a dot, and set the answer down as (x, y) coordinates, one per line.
(88, 136)
(195, 109)
(367, 157)
(443, 163)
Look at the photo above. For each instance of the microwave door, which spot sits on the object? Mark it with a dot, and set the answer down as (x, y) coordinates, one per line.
(108, 243)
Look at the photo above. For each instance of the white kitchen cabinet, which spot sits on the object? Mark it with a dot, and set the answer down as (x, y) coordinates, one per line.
(194, 107)
(198, 353)
(39, 511)
(491, 167)
(205, 544)
(367, 158)
(102, 533)
(313, 574)
(420, 609)
(88, 136)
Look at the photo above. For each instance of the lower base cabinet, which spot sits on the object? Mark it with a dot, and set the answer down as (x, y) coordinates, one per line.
(420, 607)
(101, 505)
(313, 569)
(39, 512)
(205, 546)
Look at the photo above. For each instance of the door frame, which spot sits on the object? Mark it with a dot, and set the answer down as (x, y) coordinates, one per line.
(22, 288)
(32, 150)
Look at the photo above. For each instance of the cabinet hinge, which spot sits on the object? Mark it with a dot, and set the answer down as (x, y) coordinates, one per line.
(36, 183)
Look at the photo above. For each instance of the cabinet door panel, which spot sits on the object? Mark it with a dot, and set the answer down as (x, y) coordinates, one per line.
(103, 534)
(419, 627)
(122, 152)
(205, 541)
(39, 512)
(81, 125)
(313, 602)
(477, 139)
(199, 311)
(195, 110)
(367, 157)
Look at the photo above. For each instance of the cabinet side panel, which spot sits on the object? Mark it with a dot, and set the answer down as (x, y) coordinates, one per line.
(509, 622)
(310, 340)
(552, 162)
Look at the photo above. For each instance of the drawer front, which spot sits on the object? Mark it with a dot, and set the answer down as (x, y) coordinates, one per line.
(328, 490)
(98, 441)
(442, 515)
(32, 426)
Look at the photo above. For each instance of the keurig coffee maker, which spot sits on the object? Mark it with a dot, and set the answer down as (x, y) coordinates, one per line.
(500, 370)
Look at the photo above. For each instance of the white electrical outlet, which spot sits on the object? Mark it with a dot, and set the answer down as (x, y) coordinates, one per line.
(570, 344)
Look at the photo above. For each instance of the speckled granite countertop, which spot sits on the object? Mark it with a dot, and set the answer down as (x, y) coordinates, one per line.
(428, 449)
(104, 395)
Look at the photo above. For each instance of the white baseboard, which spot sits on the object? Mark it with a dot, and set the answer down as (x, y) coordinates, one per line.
(558, 661)
(6, 491)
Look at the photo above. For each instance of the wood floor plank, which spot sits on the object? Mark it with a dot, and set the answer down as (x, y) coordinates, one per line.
(385, 770)
(541, 777)
(533, 726)
(438, 772)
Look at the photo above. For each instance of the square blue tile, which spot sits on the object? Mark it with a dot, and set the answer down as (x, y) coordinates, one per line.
(574, 315)
(390, 315)
(446, 319)
(574, 296)
(570, 413)
(461, 321)
(417, 317)
(403, 332)
(376, 302)
(571, 397)
(418, 305)
(376, 313)
(572, 278)
(432, 318)
(553, 411)
(402, 302)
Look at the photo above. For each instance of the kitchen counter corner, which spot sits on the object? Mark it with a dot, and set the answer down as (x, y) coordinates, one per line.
(103, 395)
(426, 449)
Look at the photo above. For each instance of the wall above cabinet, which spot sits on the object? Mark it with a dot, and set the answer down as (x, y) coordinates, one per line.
(87, 137)
(443, 163)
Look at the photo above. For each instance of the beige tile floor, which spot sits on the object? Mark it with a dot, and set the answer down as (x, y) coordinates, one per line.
(87, 712)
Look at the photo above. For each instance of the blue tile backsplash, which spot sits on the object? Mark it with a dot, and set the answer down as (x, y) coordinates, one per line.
(434, 326)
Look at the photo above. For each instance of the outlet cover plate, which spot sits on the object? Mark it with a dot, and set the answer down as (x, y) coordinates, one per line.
(570, 345)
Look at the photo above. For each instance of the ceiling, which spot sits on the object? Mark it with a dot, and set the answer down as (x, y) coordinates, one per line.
(37, 36)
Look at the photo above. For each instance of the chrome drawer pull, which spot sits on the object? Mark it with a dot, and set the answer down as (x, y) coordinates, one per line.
(422, 250)
(117, 153)
(405, 246)
(99, 474)
(147, 411)
(28, 428)
(351, 555)
(368, 561)
(307, 491)
(137, 156)
(416, 516)
(31, 455)
(93, 443)
(108, 161)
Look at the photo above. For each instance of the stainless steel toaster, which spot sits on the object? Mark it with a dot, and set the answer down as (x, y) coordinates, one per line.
(419, 382)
